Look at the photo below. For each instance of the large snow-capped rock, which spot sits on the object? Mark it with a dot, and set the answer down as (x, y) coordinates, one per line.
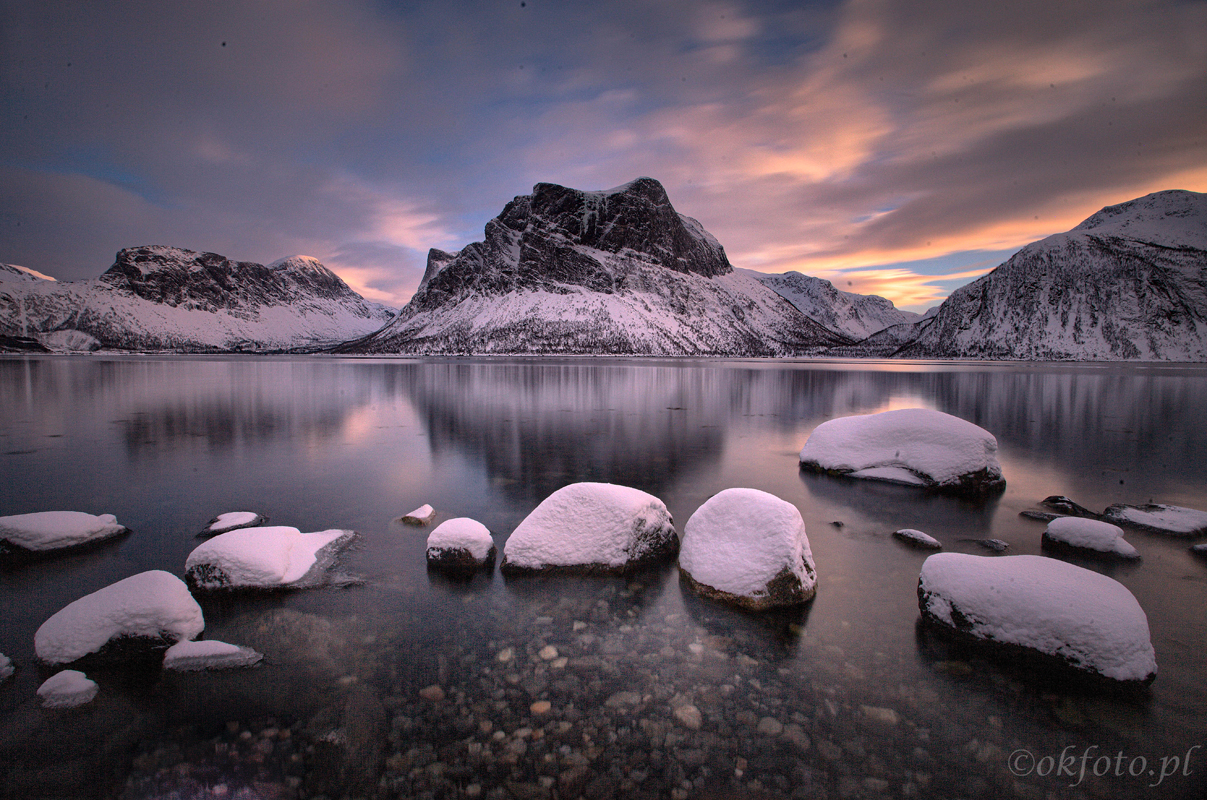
(277, 557)
(1129, 283)
(592, 527)
(748, 548)
(856, 316)
(1043, 606)
(158, 298)
(1078, 533)
(47, 532)
(150, 610)
(914, 446)
(617, 271)
(1159, 518)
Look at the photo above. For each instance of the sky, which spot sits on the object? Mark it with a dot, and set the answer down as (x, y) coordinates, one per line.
(894, 147)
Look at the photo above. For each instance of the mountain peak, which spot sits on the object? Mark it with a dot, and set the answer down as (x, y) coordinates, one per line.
(1173, 218)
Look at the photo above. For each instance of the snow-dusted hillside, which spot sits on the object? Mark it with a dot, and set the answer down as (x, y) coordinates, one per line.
(166, 299)
(1129, 283)
(853, 315)
(616, 272)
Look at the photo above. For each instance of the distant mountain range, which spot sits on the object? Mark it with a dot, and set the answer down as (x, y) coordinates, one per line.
(563, 271)
(164, 299)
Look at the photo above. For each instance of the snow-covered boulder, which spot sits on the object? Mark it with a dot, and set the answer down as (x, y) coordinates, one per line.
(748, 548)
(6, 667)
(420, 516)
(1159, 518)
(915, 446)
(460, 545)
(277, 557)
(1032, 605)
(1094, 535)
(145, 612)
(233, 521)
(195, 656)
(916, 538)
(67, 689)
(44, 532)
(592, 527)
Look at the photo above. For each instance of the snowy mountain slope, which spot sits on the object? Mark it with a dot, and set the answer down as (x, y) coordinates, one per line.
(856, 316)
(613, 272)
(1129, 283)
(159, 298)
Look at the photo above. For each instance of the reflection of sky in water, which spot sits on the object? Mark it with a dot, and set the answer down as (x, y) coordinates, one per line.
(165, 444)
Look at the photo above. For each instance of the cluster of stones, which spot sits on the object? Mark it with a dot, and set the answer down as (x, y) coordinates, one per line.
(152, 616)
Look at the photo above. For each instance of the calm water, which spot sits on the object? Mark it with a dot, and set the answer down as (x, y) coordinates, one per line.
(167, 443)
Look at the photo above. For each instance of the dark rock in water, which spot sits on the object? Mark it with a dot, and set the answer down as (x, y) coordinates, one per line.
(1063, 505)
(459, 560)
(232, 521)
(349, 741)
(996, 545)
(1199, 550)
(916, 538)
(1042, 516)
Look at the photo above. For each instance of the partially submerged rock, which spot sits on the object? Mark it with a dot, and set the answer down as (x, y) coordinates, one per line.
(1077, 533)
(48, 532)
(277, 557)
(1037, 606)
(6, 667)
(1059, 506)
(592, 527)
(196, 656)
(233, 520)
(748, 548)
(1159, 518)
(460, 545)
(136, 616)
(420, 516)
(916, 538)
(913, 446)
(67, 689)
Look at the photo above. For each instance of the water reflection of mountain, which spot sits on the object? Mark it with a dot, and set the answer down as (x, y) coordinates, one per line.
(537, 426)
(183, 403)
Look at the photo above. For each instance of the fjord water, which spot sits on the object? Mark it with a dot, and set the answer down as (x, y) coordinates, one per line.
(167, 443)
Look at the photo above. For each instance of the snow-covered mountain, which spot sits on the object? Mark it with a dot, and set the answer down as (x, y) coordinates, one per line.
(1129, 283)
(615, 272)
(857, 316)
(159, 298)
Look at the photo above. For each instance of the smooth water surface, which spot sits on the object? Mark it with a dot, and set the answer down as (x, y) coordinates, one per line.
(848, 697)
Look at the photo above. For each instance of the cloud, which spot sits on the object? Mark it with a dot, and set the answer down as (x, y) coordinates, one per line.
(837, 139)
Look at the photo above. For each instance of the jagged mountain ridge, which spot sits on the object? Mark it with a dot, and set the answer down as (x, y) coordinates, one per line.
(1128, 283)
(612, 272)
(166, 299)
(854, 315)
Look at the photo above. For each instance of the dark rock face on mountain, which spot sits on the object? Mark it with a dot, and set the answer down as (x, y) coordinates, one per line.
(1129, 283)
(166, 299)
(617, 272)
